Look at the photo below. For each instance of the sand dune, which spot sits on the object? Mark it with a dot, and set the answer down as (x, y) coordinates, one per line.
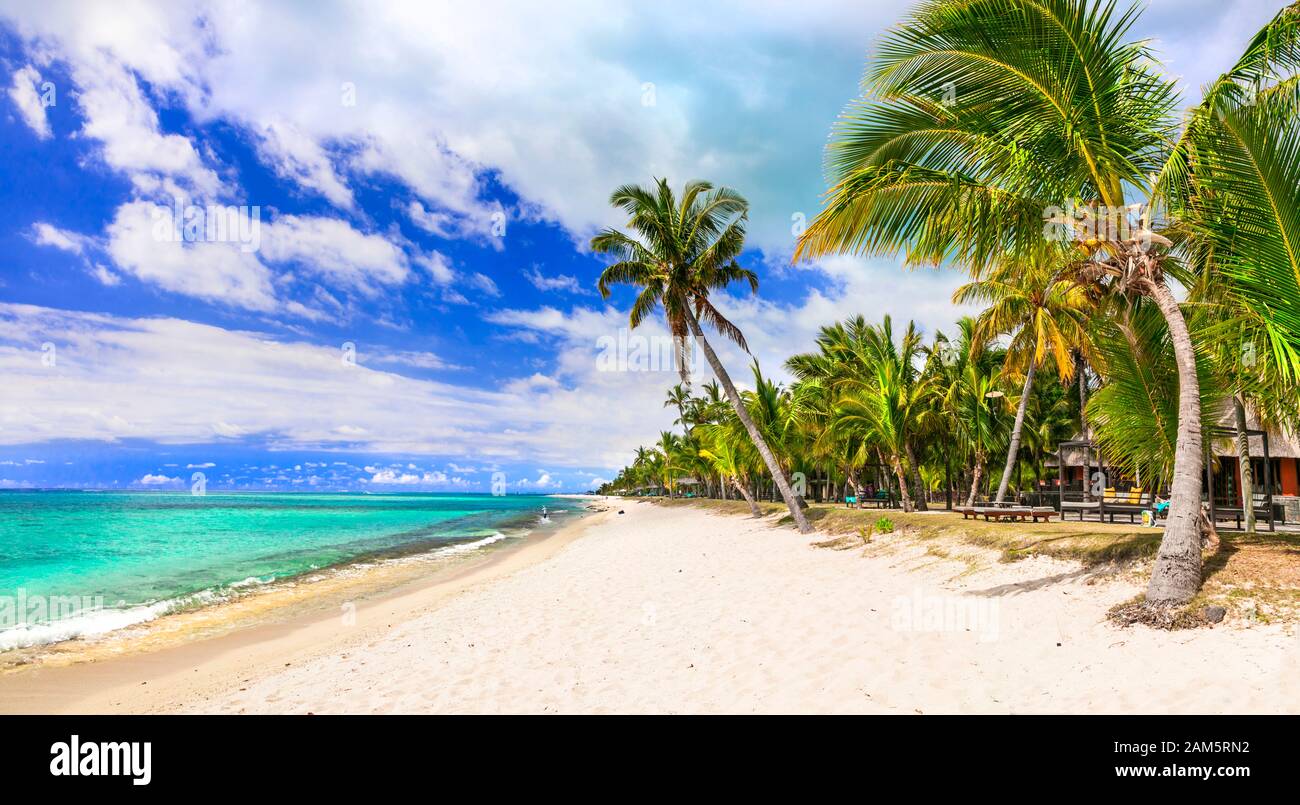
(676, 610)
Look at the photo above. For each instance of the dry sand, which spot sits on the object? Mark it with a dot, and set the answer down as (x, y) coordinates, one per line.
(678, 610)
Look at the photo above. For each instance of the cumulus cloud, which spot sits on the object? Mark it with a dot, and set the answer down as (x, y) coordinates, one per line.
(571, 98)
(410, 92)
(120, 117)
(407, 478)
(157, 480)
(542, 481)
(216, 271)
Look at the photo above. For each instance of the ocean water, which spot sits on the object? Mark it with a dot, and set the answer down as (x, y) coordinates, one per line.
(64, 553)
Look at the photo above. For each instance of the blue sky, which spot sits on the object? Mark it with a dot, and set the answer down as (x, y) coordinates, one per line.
(412, 305)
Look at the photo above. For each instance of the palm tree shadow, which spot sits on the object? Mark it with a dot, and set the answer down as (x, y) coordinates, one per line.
(1030, 585)
(1219, 560)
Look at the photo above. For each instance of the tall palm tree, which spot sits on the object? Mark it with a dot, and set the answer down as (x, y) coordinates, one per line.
(683, 250)
(1236, 189)
(984, 115)
(1043, 313)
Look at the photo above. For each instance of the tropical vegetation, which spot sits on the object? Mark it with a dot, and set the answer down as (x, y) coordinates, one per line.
(1138, 261)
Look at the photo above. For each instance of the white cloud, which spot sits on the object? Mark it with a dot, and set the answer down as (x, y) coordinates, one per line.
(179, 382)
(483, 283)
(418, 360)
(120, 117)
(104, 275)
(25, 92)
(300, 158)
(157, 480)
(328, 252)
(335, 251)
(44, 234)
(218, 272)
(560, 282)
(407, 478)
(542, 481)
(560, 101)
(437, 266)
(570, 100)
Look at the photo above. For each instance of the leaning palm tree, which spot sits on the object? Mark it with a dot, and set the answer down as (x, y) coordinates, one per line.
(683, 250)
(983, 117)
(1043, 312)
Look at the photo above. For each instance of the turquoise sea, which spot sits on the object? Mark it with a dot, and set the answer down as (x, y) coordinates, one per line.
(142, 554)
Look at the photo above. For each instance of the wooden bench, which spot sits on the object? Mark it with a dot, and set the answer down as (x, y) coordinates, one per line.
(1238, 513)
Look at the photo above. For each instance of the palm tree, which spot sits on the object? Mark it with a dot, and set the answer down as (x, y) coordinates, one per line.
(679, 397)
(882, 414)
(966, 404)
(984, 116)
(729, 461)
(1043, 313)
(669, 452)
(684, 250)
(1236, 189)
(1136, 411)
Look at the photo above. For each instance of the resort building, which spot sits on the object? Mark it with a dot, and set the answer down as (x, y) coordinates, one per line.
(1274, 458)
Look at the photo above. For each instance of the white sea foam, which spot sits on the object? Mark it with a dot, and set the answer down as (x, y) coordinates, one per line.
(103, 620)
(86, 624)
(465, 547)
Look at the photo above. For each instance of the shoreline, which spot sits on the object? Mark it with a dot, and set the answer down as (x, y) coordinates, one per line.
(206, 610)
(677, 609)
(181, 655)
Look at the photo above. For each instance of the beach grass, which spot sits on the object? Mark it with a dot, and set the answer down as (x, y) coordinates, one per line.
(1256, 578)
(1089, 543)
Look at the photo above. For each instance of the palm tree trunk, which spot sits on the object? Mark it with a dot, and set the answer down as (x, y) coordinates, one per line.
(753, 507)
(1177, 573)
(902, 482)
(976, 474)
(1247, 472)
(916, 479)
(947, 478)
(1013, 450)
(759, 442)
(1083, 426)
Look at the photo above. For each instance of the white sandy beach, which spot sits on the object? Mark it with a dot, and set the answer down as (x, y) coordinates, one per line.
(676, 610)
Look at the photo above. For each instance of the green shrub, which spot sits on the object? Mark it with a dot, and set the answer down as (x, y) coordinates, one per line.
(885, 526)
